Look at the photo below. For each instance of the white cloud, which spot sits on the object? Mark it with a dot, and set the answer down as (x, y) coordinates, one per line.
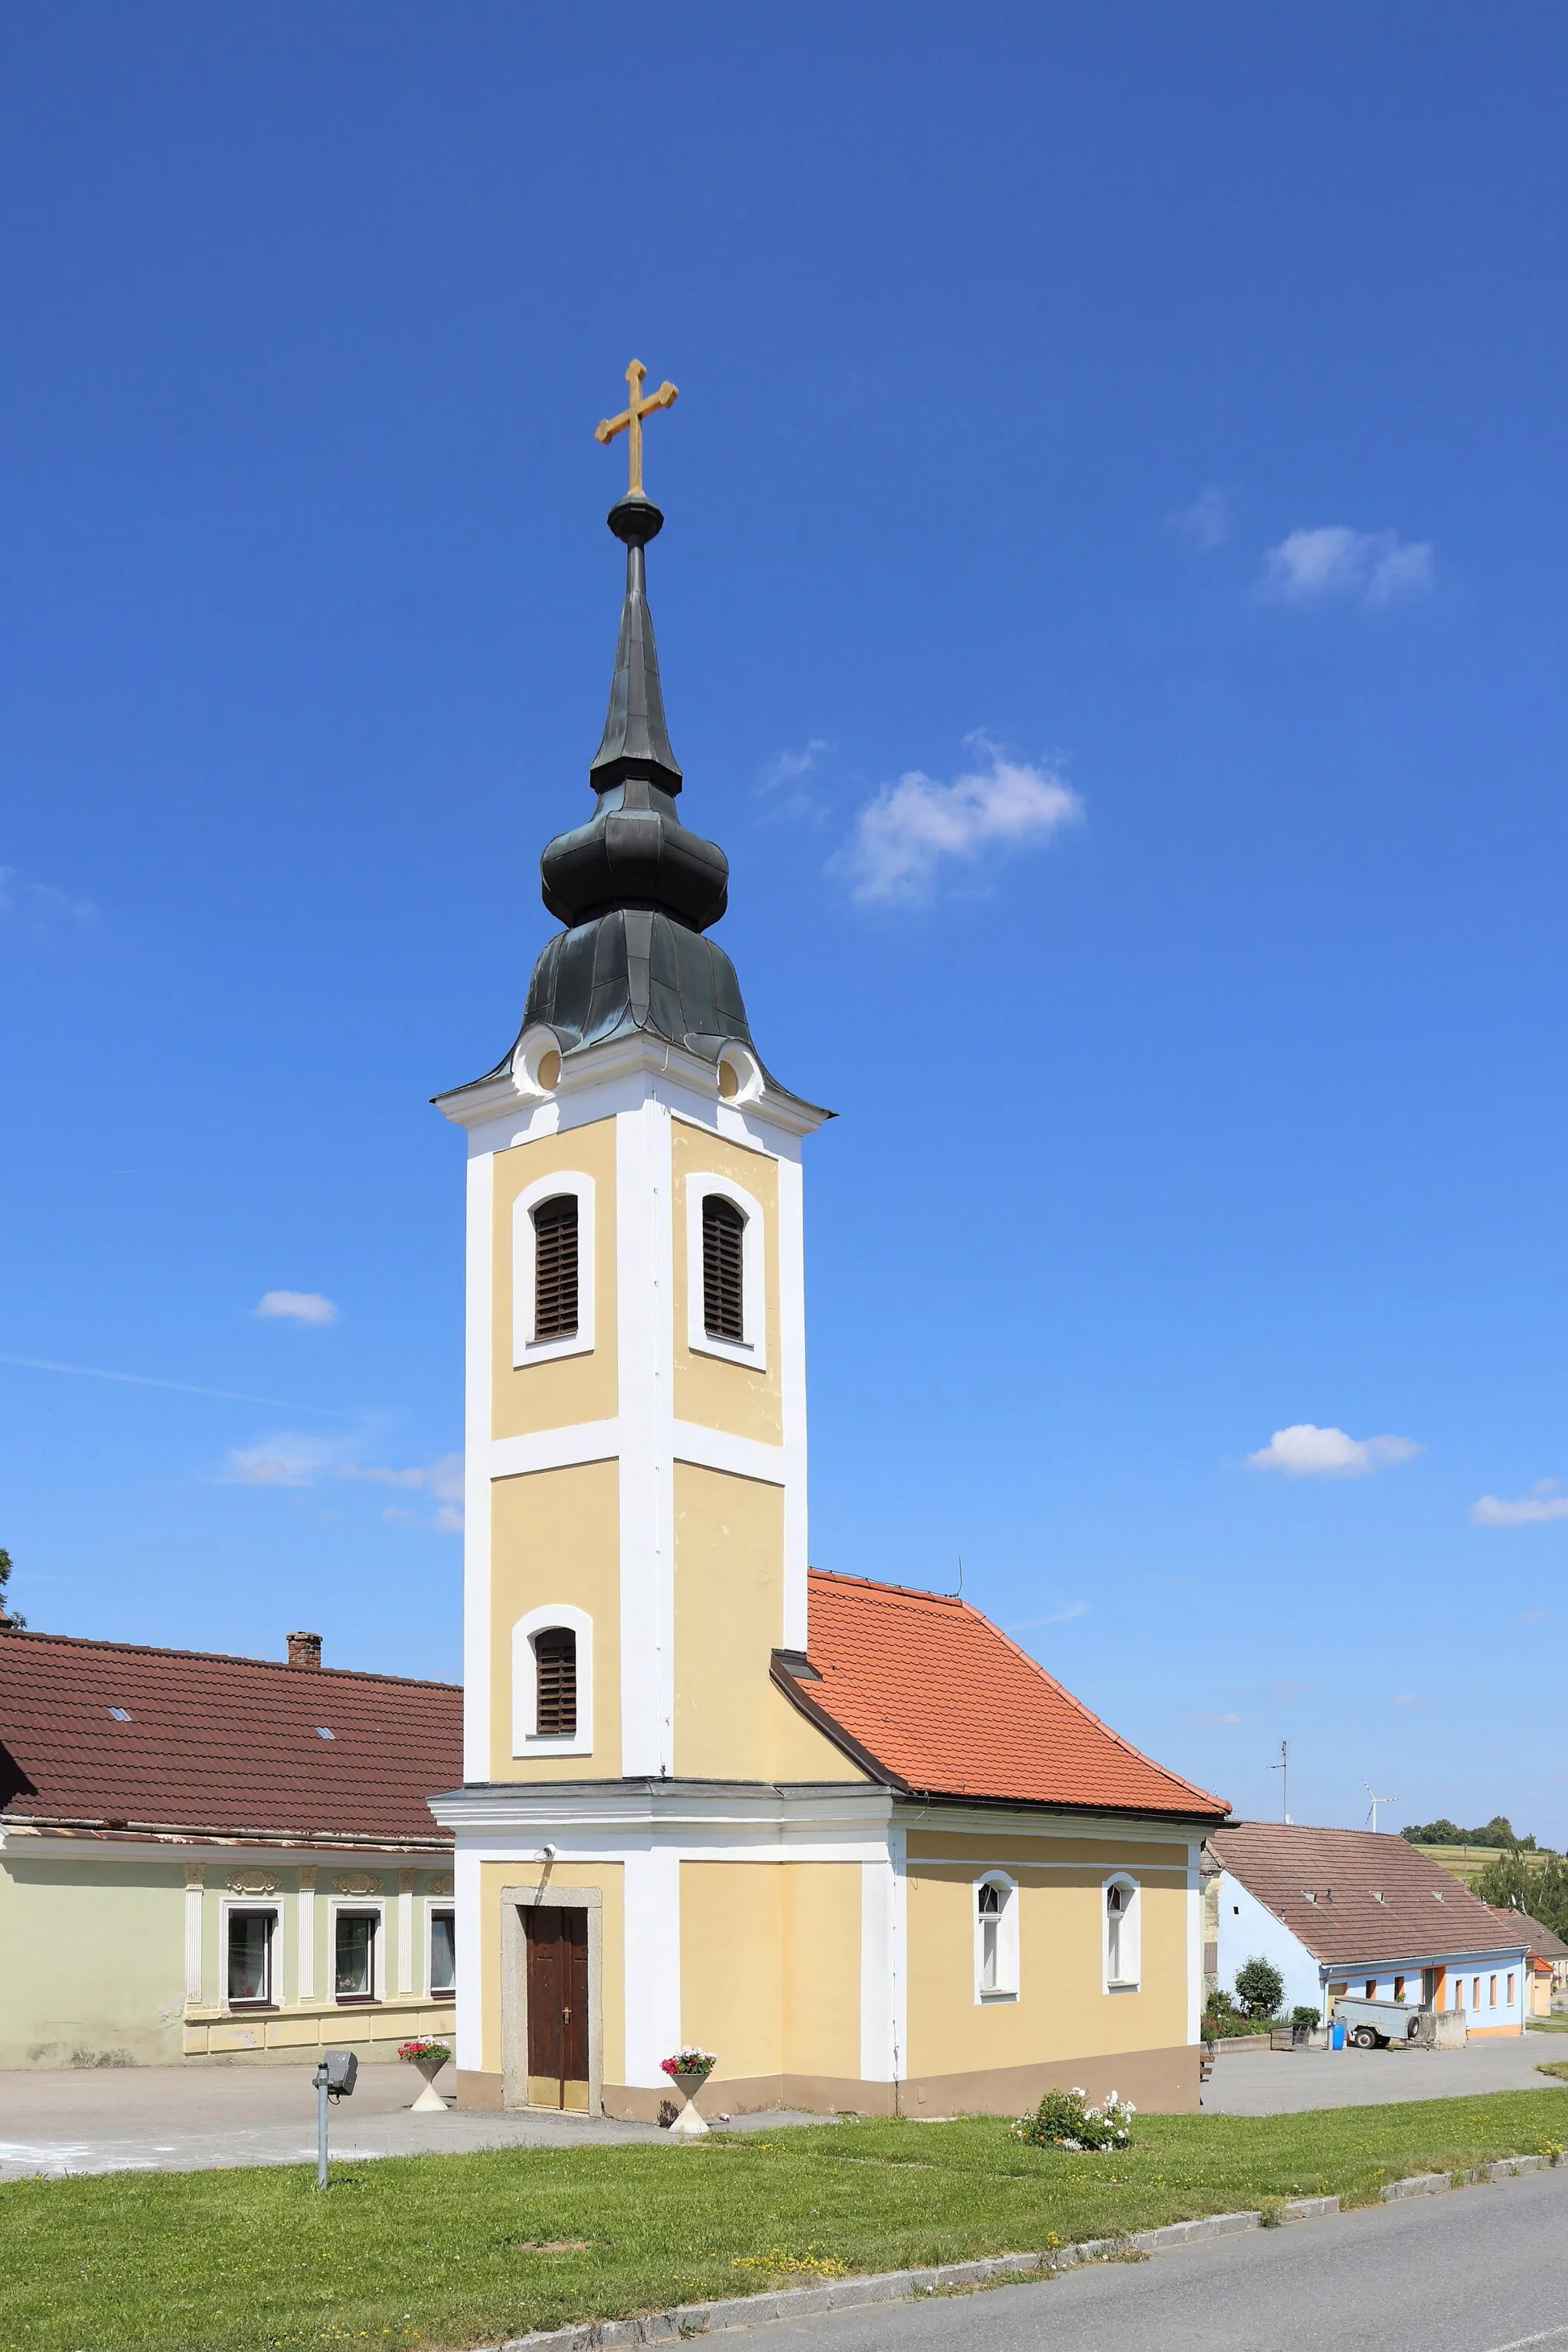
(296, 1307)
(37, 904)
(1057, 1617)
(781, 781)
(1207, 522)
(1545, 1500)
(293, 1459)
(1305, 1451)
(1205, 1714)
(1377, 567)
(1408, 1698)
(903, 836)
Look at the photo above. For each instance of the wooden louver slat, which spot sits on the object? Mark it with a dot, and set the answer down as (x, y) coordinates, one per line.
(724, 1248)
(556, 1661)
(555, 1269)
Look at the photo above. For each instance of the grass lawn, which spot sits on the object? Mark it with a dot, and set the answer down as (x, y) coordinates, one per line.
(455, 2251)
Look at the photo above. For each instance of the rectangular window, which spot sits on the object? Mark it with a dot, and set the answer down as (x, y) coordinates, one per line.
(443, 1955)
(1476, 1993)
(723, 1253)
(1399, 1987)
(251, 1959)
(1511, 1988)
(555, 1664)
(1492, 2002)
(353, 1972)
(555, 1269)
(1372, 1987)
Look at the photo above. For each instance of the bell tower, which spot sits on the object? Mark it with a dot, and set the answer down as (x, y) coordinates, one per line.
(636, 1545)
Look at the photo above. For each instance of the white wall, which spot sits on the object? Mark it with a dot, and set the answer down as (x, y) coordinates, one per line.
(1247, 1931)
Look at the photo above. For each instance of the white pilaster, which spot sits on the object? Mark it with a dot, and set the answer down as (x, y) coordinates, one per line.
(477, 1424)
(898, 1952)
(652, 1880)
(877, 2052)
(306, 1967)
(406, 1931)
(643, 1325)
(470, 1975)
(196, 1882)
(791, 1378)
(1194, 1943)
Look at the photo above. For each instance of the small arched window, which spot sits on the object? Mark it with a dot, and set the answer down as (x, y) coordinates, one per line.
(996, 1938)
(555, 1673)
(1122, 1932)
(556, 1267)
(723, 1269)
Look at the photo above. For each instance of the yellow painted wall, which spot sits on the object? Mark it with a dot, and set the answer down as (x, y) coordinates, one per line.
(710, 1390)
(770, 1965)
(605, 1875)
(566, 1389)
(731, 1722)
(92, 1959)
(555, 1537)
(1062, 2009)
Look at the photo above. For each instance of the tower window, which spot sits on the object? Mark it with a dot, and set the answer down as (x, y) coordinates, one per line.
(556, 1267)
(555, 1668)
(723, 1267)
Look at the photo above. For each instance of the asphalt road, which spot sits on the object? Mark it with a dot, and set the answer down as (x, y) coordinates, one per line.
(1479, 2270)
(1286, 2082)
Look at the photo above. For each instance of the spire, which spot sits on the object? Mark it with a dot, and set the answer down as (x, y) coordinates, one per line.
(635, 741)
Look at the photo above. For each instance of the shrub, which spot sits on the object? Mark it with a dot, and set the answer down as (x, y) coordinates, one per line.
(1259, 1987)
(1062, 2120)
(1305, 2014)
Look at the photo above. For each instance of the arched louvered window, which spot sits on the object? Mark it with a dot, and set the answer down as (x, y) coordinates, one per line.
(556, 1267)
(555, 1666)
(723, 1268)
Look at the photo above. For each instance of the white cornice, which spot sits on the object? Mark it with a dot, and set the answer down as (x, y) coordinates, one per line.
(1000, 1821)
(622, 1073)
(601, 1441)
(538, 1807)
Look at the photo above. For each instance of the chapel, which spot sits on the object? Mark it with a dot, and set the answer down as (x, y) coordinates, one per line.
(843, 1834)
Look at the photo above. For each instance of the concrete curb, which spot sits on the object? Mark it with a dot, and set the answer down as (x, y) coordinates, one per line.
(899, 2287)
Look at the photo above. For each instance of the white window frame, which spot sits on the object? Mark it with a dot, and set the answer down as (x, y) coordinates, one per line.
(1131, 1917)
(527, 1739)
(378, 1954)
(232, 1903)
(525, 1348)
(1006, 1985)
(752, 1350)
(434, 1902)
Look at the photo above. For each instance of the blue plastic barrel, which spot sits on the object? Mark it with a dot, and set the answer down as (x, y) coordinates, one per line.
(1336, 2036)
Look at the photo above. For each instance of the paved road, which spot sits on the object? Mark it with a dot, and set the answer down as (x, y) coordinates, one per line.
(1479, 2270)
(1285, 2082)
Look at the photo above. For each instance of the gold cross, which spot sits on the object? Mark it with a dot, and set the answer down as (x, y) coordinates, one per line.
(629, 421)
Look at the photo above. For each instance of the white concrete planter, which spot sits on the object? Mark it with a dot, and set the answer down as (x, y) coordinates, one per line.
(429, 2102)
(688, 2121)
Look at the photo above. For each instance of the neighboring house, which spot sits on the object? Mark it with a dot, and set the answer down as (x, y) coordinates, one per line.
(846, 1835)
(1548, 1958)
(208, 1857)
(1354, 1911)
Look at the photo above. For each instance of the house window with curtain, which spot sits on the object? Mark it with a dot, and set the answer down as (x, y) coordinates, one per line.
(443, 1955)
(355, 1934)
(250, 1959)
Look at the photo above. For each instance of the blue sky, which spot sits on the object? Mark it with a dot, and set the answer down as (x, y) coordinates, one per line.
(1112, 613)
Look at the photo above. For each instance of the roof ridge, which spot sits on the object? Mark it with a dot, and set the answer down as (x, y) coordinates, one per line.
(881, 1584)
(30, 1634)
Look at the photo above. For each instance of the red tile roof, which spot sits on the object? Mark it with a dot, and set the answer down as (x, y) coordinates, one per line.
(225, 1745)
(938, 1701)
(1354, 1897)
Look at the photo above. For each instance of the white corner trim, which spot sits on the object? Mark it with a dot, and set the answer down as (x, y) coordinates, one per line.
(527, 1739)
(1006, 1988)
(1131, 1933)
(754, 1348)
(525, 1348)
(477, 1428)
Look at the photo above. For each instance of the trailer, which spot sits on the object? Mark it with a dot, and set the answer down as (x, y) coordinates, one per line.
(1374, 2024)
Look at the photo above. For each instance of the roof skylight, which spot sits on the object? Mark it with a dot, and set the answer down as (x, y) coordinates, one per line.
(120, 1714)
(322, 1733)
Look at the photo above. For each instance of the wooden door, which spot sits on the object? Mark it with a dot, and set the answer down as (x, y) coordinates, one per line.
(557, 1940)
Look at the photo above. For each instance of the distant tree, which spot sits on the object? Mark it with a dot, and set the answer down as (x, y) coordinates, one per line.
(1499, 1831)
(1511, 1885)
(6, 1611)
(1259, 1987)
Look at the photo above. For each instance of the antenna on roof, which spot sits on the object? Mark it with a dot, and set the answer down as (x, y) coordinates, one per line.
(958, 1593)
(1371, 1808)
(1283, 1769)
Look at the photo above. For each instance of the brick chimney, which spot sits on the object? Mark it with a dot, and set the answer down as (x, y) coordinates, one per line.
(305, 1649)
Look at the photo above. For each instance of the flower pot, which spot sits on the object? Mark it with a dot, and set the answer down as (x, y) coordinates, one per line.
(429, 2102)
(688, 2121)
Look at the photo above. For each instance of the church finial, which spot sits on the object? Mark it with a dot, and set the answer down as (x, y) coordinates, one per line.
(635, 741)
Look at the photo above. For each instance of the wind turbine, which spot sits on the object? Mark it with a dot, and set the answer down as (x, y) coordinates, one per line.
(1376, 1801)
